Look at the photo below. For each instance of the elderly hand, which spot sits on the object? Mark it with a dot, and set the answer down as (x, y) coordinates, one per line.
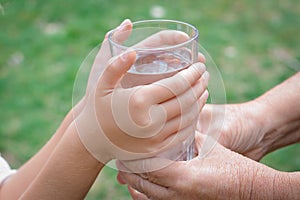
(222, 174)
(241, 129)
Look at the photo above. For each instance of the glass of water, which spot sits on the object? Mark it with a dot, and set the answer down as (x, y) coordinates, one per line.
(163, 47)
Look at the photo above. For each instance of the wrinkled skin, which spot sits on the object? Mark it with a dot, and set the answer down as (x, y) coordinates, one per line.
(238, 126)
(222, 173)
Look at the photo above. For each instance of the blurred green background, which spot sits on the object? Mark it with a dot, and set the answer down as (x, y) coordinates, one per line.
(42, 44)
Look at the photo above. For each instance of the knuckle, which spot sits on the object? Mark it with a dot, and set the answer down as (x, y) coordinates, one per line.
(180, 83)
(200, 88)
(201, 102)
(138, 101)
(198, 69)
(192, 97)
(188, 99)
(191, 116)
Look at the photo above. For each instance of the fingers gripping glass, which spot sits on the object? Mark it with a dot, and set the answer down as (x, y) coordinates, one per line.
(163, 48)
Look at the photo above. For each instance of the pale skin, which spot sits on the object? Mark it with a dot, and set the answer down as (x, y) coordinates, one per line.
(230, 171)
(64, 168)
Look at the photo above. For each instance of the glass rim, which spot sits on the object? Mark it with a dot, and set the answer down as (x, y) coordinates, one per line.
(195, 35)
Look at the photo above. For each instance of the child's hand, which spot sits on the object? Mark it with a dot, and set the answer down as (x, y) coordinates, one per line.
(142, 121)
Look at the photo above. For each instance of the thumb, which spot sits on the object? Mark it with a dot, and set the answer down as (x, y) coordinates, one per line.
(199, 140)
(115, 70)
(204, 144)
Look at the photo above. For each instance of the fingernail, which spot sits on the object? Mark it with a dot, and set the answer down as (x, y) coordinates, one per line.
(206, 94)
(200, 66)
(201, 58)
(124, 56)
(125, 22)
(120, 179)
(206, 75)
(107, 34)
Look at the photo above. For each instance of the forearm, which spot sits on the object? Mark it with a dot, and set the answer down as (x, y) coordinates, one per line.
(69, 172)
(39, 159)
(281, 114)
(292, 185)
(27, 173)
(271, 184)
(67, 121)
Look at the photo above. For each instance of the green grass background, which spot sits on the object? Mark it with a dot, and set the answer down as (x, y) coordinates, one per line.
(42, 44)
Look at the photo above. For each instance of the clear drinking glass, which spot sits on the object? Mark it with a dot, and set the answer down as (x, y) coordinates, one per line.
(163, 48)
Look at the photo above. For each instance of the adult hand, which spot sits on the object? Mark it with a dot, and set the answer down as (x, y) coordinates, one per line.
(239, 127)
(260, 126)
(222, 174)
